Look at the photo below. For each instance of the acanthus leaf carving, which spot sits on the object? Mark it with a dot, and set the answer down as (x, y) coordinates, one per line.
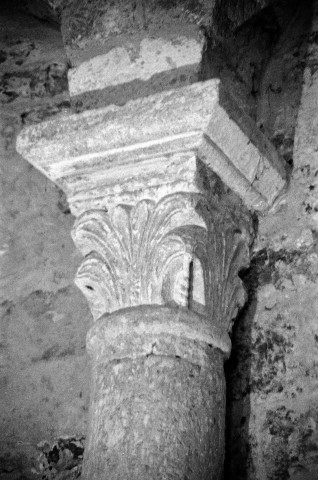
(140, 251)
(228, 253)
(182, 248)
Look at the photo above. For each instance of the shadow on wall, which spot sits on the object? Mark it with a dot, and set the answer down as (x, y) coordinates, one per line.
(262, 63)
(238, 409)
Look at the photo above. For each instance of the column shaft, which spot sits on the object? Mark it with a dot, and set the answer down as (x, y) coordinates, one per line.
(157, 413)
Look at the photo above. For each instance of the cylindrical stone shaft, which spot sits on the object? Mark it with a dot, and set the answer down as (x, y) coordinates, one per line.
(158, 398)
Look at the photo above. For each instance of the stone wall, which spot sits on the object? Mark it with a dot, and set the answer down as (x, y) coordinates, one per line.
(272, 398)
(44, 318)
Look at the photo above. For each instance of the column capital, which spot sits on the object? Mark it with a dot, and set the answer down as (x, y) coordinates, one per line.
(161, 189)
(186, 248)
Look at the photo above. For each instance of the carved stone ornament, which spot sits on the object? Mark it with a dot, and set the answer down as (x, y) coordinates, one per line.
(139, 254)
(181, 249)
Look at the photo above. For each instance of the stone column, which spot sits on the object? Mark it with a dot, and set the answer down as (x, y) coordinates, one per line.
(161, 189)
(158, 400)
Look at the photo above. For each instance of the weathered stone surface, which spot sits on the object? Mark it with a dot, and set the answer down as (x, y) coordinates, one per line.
(157, 412)
(123, 50)
(83, 23)
(87, 154)
(124, 64)
(61, 459)
(274, 384)
(43, 317)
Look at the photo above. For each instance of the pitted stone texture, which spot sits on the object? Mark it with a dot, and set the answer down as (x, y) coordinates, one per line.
(118, 151)
(156, 416)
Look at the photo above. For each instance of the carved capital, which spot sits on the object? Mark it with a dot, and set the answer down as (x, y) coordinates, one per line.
(183, 249)
(151, 222)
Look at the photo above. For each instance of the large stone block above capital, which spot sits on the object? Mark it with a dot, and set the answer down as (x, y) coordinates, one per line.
(123, 50)
(149, 148)
(130, 71)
